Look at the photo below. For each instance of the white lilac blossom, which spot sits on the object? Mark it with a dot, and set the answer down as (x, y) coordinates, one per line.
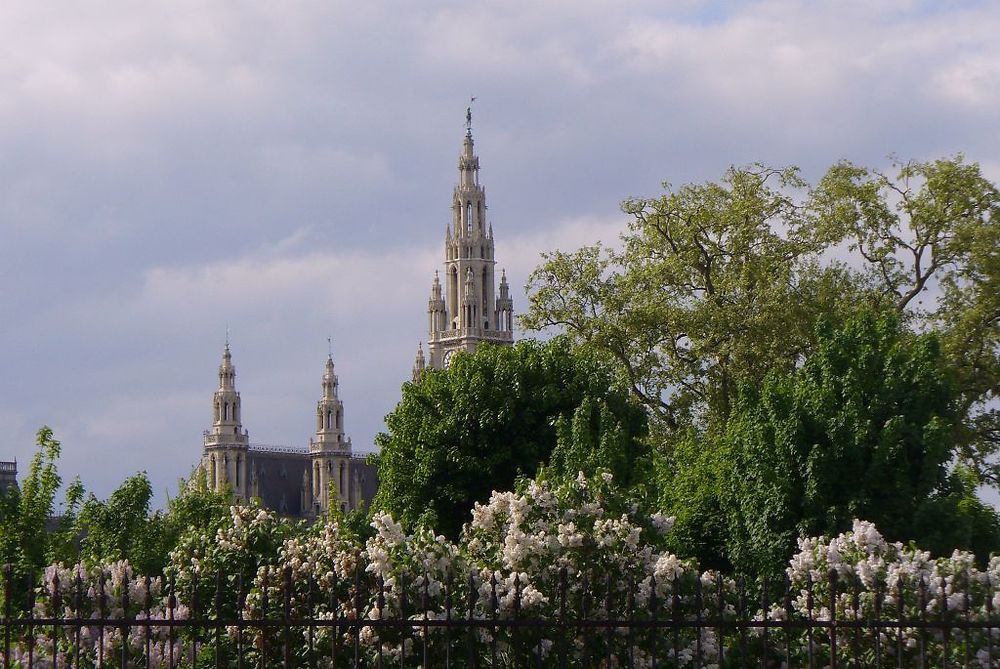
(578, 549)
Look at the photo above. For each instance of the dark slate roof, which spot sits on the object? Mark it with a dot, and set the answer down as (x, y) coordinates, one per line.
(279, 480)
(368, 476)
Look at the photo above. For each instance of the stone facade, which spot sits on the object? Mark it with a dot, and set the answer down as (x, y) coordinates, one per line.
(304, 483)
(469, 309)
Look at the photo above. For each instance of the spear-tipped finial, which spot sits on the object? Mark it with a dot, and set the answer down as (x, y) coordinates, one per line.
(227, 336)
(329, 347)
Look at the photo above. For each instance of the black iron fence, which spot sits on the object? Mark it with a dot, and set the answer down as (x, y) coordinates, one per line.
(365, 621)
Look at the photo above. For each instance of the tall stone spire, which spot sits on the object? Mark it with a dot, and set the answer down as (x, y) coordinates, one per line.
(329, 450)
(226, 424)
(469, 312)
(225, 457)
(329, 413)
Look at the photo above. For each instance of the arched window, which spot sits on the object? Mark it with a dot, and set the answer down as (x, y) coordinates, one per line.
(468, 217)
(486, 299)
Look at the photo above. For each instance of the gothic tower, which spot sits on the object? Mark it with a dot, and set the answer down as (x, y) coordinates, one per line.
(329, 451)
(468, 310)
(225, 458)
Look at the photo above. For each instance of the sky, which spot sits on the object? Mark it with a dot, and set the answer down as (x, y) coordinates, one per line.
(171, 169)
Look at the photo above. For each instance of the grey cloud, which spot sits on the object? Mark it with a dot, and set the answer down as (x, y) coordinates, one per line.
(287, 168)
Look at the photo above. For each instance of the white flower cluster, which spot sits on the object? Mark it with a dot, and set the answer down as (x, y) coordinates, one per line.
(575, 550)
(111, 591)
(859, 575)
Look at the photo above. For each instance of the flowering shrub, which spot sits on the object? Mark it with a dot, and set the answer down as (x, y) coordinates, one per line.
(858, 576)
(580, 550)
(577, 554)
(107, 592)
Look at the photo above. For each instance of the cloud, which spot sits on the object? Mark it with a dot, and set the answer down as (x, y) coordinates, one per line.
(287, 168)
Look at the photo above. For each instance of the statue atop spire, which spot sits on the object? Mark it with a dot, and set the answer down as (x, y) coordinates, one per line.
(468, 117)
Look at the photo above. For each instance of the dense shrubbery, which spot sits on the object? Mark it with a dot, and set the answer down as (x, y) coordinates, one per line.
(578, 549)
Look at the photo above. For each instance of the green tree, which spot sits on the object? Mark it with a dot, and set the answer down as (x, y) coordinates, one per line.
(33, 531)
(863, 430)
(713, 287)
(197, 505)
(929, 237)
(460, 433)
(122, 528)
(717, 285)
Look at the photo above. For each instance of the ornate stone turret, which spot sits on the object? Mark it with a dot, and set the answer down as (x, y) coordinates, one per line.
(225, 458)
(330, 451)
(436, 312)
(505, 305)
(469, 312)
(419, 364)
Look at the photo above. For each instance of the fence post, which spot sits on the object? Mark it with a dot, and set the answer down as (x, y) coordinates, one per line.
(877, 629)
(193, 619)
(562, 618)
(764, 606)
(8, 592)
(241, 600)
(833, 619)
(425, 604)
(262, 630)
(359, 614)
(55, 614)
(125, 627)
(675, 605)
(923, 619)
(809, 611)
(471, 636)
(286, 612)
(494, 608)
(103, 613)
(654, 630)
(989, 620)
(789, 611)
(218, 617)
(698, 605)
(171, 606)
(720, 631)
(449, 582)
(147, 605)
(946, 632)
(380, 603)
(78, 600)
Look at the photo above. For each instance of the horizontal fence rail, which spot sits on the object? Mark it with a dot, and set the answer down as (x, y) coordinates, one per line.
(359, 620)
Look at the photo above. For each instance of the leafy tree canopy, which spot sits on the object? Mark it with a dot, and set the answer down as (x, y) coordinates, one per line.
(717, 285)
(33, 530)
(863, 430)
(459, 434)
